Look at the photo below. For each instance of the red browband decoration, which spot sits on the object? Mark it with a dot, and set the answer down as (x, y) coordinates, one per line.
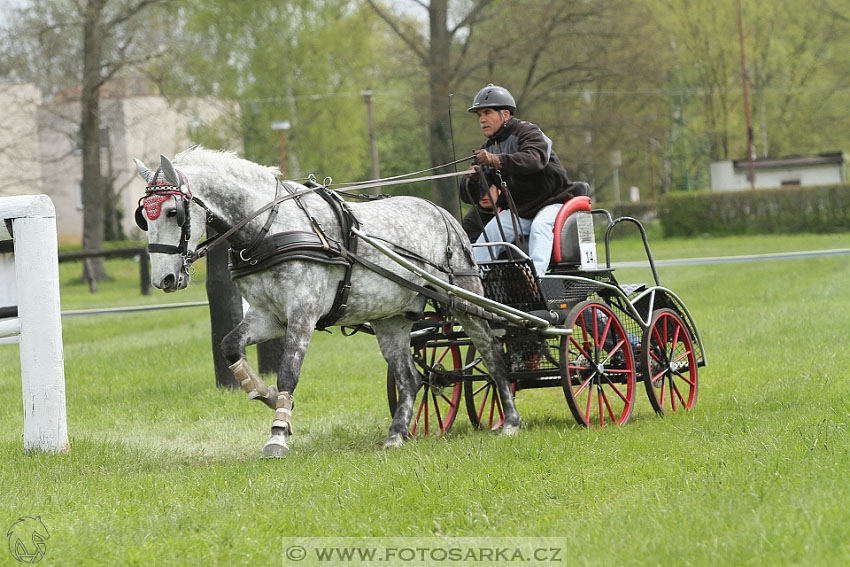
(153, 203)
(156, 197)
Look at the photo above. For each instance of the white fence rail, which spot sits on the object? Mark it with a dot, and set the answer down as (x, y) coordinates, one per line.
(30, 221)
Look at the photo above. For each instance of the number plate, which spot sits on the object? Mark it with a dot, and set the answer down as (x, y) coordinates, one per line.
(588, 255)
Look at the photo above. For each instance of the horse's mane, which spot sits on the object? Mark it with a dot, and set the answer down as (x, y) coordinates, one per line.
(223, 160)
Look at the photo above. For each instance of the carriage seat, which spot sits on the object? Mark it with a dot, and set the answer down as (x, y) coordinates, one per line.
(573, 225)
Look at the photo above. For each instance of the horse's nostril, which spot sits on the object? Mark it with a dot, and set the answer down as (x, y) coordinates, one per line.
(168, 281)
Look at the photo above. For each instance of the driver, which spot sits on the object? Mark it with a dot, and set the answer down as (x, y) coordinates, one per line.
(521, 155)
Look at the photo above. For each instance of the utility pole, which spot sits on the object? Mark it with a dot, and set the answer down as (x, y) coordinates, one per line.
(750, 149)
(373, 145)
(282, 126)
(616, 162)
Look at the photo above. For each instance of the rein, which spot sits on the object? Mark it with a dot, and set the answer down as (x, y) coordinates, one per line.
(264, 249)
(457, 161)
(204, 247)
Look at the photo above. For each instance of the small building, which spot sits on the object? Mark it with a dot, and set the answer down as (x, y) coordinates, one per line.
(40, 150)
(819, 169)
(20, 159)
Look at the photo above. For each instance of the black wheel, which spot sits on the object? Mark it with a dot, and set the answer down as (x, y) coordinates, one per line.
(668, 363)
(599, 382)
(437, 402)
(483, 404)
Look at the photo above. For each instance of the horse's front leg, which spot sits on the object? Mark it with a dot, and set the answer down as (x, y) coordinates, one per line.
(297, 339)
(393, 336)
(256, 327)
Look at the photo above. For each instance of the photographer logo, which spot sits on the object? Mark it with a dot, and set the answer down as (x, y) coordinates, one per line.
(27, 539)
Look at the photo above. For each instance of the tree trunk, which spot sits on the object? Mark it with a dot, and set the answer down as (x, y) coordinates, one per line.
(225, 312)
(270, 356)
(444, 191)
(94, 198)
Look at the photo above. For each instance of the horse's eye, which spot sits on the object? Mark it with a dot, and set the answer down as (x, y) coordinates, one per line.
(172, 213)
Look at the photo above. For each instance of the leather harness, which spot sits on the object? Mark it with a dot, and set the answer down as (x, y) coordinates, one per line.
(269, 250)
(316, 246)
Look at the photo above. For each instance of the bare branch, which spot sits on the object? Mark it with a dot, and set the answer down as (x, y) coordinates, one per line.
(417, 48)
(130, 13)
(462, 57)
(476, 14)
(542, 46)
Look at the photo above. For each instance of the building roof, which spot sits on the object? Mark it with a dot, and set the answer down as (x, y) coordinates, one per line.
(792, 161)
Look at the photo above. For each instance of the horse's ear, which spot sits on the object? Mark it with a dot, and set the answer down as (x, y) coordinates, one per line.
(146, 173)
(168, 171)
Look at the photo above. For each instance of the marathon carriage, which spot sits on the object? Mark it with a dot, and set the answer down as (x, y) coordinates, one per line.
(305, 258)
(603, 338)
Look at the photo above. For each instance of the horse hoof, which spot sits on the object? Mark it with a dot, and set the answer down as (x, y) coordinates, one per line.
(393, 442)
(510, 430)
(271, 399)
(275, 448)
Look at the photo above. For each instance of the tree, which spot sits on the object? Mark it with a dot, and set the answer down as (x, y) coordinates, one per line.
(580, 71)
(549, 53)
(277, 60)
(442, 64)
(797, 73)
(84, 43)
(102, 20)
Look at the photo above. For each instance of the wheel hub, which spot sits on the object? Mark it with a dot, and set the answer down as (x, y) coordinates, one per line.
(434, 377)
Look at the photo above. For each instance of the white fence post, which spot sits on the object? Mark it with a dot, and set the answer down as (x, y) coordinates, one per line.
(32, 220)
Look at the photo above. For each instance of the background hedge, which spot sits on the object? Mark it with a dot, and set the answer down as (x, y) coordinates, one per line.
(763, 211)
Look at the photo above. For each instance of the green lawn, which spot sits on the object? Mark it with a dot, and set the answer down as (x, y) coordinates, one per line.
(164, 468)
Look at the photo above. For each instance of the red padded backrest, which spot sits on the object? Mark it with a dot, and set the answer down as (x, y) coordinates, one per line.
(575, 204)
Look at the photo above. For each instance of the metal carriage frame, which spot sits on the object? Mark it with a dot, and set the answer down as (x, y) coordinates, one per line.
(576, 327)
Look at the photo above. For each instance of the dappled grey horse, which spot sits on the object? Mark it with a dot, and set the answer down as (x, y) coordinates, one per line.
(288, 298)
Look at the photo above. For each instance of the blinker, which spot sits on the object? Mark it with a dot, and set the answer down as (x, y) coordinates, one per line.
(150, 208)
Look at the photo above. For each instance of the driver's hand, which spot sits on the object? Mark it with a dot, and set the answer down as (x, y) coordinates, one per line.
(484, 157)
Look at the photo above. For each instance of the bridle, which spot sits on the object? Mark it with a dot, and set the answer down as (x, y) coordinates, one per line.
(157, 192)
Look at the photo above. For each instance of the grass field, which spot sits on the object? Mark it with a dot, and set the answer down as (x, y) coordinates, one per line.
(165, 469)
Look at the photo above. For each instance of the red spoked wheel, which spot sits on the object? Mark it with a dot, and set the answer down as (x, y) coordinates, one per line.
(482, 397)
(437, 401)
(668, 363)
(599, 379)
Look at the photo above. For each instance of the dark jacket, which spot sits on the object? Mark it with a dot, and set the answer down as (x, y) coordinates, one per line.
(530, 167)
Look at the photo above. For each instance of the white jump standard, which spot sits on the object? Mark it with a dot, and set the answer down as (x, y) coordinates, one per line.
(30, 221)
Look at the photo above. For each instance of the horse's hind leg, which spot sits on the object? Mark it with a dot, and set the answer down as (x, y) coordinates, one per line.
(393, 336)
(479, 332)
(482, 337)
(254, 328)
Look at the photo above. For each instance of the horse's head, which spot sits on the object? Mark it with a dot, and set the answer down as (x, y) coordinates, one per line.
(174, 223)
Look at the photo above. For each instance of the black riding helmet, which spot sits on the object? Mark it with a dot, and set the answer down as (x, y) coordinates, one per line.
(493, 96)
